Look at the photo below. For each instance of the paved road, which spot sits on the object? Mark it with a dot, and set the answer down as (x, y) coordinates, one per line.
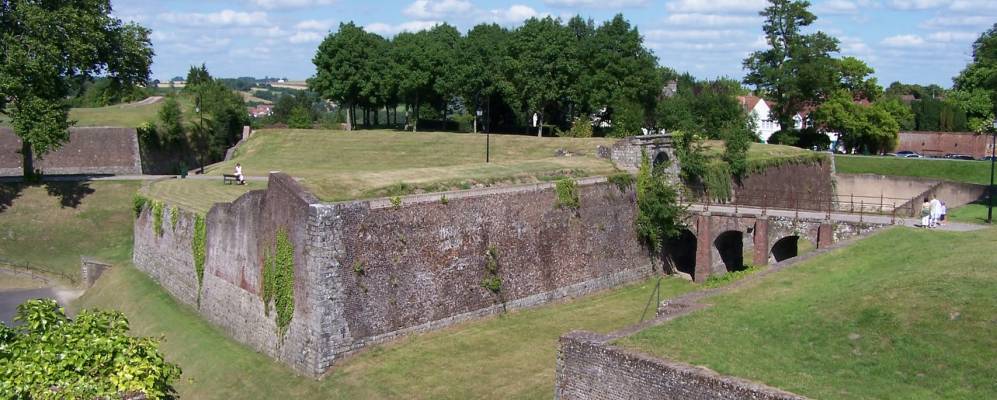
(10, 299)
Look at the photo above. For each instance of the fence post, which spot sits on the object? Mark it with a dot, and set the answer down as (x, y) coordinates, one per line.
(861, 206)
(881, 201)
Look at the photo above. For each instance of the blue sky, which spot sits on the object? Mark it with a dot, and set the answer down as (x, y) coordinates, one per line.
(917, 41)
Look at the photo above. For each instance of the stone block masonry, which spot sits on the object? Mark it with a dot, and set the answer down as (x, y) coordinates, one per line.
(588, 368)
(366, 271)
(89, 151)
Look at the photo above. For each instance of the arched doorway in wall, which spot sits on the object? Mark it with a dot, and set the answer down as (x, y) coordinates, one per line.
(730, 245)
(680, 251)
(660, 158)
(786, 248)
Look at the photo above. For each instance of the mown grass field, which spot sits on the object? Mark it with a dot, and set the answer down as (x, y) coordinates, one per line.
(906, 314)
(125, 115)
(506, 357)
(974, 213)
(51, 225)
(950, 170)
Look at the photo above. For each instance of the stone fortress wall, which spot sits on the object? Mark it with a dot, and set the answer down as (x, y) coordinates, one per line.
(89, 151)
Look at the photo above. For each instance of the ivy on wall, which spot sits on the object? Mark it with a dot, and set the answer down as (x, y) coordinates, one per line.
(198, 246)
(157, 217)
(567, 194)
(139, 203)
(492, 281)
(278, 281)
(174, 217)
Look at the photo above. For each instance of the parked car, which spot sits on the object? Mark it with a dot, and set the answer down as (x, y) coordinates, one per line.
(959, 157)
(908, 154)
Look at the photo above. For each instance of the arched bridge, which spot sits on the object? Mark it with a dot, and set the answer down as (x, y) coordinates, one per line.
(721, 239)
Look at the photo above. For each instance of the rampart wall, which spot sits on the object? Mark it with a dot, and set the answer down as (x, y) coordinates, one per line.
(89, 151)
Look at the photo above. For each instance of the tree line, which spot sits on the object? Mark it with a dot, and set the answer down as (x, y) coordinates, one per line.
(562, 72)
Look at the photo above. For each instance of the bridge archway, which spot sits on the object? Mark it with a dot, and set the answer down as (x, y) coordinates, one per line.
(661, 158)
(730, 245)
(786, 248)
(680, 251)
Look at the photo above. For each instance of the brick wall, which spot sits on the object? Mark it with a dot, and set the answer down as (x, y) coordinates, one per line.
(590, 369)
(808, 186)
(942, 143)
(90, 150)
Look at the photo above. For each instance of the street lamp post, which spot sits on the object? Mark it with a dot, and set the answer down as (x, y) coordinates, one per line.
(990, 189)
(488, 136)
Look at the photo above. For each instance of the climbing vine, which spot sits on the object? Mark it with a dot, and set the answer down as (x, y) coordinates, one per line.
(198, 248)
(492, 281)
(139, 203)
(174, 217)
(659, 214)
(567, 194)
(278, 281)
(157, 217)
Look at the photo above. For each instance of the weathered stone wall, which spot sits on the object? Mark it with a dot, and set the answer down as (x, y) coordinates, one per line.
(590, 369)
(942, 143)
(90, 151)
(806, 186)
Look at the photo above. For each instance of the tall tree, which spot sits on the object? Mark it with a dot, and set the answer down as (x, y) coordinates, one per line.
(542, 64)
(44, 47)
(620, 69)
(413, 71)
(480, 69)
(796, 69)
(980, 77)
(856, 78)
(342, 65)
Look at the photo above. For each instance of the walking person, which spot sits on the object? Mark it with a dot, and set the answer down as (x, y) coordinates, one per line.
(936, 211)
(926, 214)
(945, 210)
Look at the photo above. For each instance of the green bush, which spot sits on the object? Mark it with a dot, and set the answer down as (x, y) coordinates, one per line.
(492, 281)
(174, 217)
(623, 180)
(198, 247)
(580, 128)
(50, 356)
(567, 194)
(157, 217)
(659, 214)
(278, 281)
(139, 203)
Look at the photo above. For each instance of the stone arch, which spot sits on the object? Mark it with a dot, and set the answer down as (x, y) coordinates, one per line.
(661, 158)
(730, 246)
(786, 248)
(680, 252)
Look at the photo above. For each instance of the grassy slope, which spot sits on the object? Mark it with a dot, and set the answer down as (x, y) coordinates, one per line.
(951, 170)
(511, 356)
(118, 115)
(975, 213)
(913, 322)
(41, 225)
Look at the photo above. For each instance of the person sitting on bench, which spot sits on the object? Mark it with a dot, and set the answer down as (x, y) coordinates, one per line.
(238, 174)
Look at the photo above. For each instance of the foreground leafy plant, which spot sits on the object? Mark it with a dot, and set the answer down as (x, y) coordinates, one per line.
(91, 357)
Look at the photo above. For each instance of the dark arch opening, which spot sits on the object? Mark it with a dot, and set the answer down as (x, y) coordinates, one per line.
(661, 158)
(786, 248)
(730, 245)
(681, 252)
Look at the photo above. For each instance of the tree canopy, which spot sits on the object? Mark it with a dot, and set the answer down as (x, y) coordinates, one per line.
(47, 45)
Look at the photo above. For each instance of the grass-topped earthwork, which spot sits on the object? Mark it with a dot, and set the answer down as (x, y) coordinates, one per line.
(950, 170)
(51, 225)
(904, 314)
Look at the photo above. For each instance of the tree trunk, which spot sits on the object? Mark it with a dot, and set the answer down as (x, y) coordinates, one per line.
(349, 117)
(540, 127)
(28, 161)
(415, 122)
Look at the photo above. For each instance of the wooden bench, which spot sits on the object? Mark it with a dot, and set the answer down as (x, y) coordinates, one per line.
(226, 178)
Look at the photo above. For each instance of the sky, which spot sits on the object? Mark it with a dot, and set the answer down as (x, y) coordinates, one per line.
(913, 41)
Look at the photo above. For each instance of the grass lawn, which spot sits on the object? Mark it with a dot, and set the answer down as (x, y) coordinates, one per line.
(124, 115)
(53, 224)
(950, 170)
(511, 356)
(975, 213)
(906, 314)
(197, 195)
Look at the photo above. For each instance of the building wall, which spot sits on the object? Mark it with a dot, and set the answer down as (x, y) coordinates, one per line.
(942, 143)
(90, 150)
(590, 369)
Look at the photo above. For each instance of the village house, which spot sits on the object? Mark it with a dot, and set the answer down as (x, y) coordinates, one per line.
(260, 111)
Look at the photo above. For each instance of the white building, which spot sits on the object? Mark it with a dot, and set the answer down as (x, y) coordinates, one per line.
(760, 111)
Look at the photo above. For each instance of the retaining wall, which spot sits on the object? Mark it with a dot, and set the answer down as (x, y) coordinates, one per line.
(89, 151)
(805, 185)
(590, 369)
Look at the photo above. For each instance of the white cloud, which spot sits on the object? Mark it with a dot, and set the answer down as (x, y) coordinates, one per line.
(278, 4)
(658, 35)
(974, 5)
(434, 9)
(513, 15)
(390, 30)
(918, 4)
(217, 19)
(716, 6)
(306, 37)
(942, 22)
(713, 20)
(315, 25)
(596, 3)
(903, 41)
(947, 37)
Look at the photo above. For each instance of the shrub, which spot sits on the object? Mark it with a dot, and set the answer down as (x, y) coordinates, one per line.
(567, 194)
(492, 281)
(659, 214)
(623, 180)
(278, 281)
(157, 217)
(580, 128)
(51, 356)
(139, 203)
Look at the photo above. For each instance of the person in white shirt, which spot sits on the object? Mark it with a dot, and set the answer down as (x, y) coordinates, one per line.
(238, 174)
(945, 210)
(936, 211)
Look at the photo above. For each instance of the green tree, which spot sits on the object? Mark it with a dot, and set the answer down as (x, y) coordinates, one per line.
(859, 127)
(480, 68)
(171, 120)
(197, 76)
(797, 68)
(343, 68)
(413, 71)
(856, 78)
(900, 112)
(659, 214)
(542, 65)
(619, 71)
(301, 118)
(50, 356)
(47, 45)
(978, 106)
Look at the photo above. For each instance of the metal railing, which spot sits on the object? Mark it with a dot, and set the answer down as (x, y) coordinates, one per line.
(798, 201)
(38, 271)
